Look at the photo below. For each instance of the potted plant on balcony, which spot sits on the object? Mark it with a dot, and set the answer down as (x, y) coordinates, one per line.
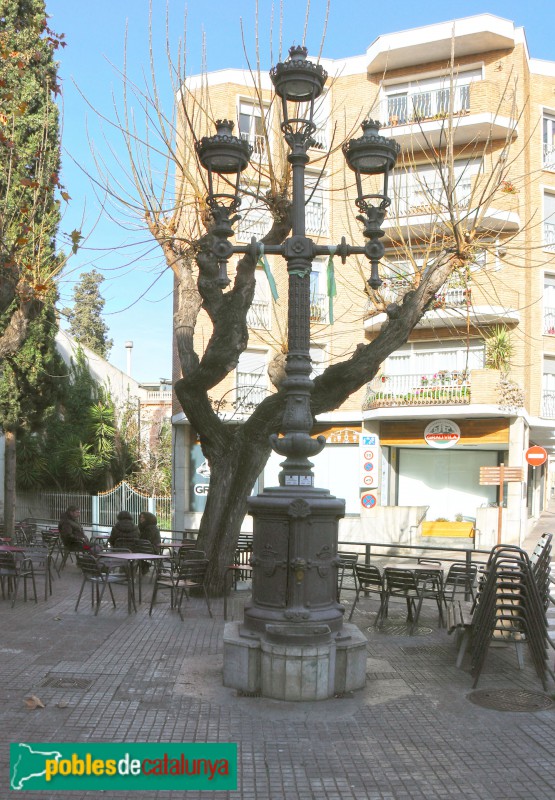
(508, 187)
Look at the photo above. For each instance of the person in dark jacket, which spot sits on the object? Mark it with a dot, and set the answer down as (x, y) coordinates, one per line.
(148, 528)
(72, 534)
(71, 531)
(124, 533)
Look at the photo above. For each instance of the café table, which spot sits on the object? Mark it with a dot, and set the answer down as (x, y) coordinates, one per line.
(429, 579)
(131, 560)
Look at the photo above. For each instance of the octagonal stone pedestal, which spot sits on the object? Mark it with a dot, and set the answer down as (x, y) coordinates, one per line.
(276, 665)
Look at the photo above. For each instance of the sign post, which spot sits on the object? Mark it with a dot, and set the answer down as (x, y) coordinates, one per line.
(496, 476)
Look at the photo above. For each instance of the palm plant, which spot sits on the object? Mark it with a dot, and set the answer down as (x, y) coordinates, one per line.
(499, 349)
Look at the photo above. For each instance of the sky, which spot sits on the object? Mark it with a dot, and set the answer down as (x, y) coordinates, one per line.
(137, 287)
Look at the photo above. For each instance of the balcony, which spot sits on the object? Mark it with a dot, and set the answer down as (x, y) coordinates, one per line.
(418, 120)
(253, 223)
(320, 137)
(316, 219)
(445, 387)
(453, 306)
(548, 157)
(470, 36)
(258, 315)
(319, 308)
(548, 404)
(549, 236)
(420, 211)
(258, 144)
(249, 391)
(549, 321)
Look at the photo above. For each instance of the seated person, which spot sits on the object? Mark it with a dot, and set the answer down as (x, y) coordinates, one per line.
(148, 528)
(124, 533)
(71, 532)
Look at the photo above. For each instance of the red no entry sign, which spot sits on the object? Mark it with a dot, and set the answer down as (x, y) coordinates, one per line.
(536, 456)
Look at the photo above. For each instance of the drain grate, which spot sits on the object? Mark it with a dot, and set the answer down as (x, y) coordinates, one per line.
(241, 693)
(510, 700)
(66, 682)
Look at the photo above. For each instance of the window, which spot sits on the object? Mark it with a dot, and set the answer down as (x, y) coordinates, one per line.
(428, 358)
(316, 210)
(549, 222)
(258, 315)
(549, 141)
(549, 304)
(318, 358)
(420, 189)
(251, 383)
(318, 296)
(251, 127)
(255, 218)
(548, 393)
(428, 98)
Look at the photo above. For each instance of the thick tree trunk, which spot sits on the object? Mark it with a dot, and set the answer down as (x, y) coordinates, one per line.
(9, 482)
(232, 476)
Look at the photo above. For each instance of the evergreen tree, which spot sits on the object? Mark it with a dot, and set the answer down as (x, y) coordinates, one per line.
(85, 321)
(81, 447)
(29, 167)
(31, 383)
(29, 217)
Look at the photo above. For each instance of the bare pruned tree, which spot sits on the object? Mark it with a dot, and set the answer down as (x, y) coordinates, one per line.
(210, 318)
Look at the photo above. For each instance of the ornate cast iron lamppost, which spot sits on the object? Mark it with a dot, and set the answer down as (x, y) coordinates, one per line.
(293, 644)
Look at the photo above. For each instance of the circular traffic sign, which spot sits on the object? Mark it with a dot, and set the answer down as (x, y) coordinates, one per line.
(536, 456)
(368, 500)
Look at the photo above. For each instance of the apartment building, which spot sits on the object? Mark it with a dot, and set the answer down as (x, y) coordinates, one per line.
(411, 445)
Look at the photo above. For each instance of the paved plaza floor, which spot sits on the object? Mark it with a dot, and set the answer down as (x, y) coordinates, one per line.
(411, 733)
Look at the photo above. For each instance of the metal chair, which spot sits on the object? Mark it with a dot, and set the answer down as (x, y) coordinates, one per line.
(165, 572)
(240, 570)
(12, 570)
(404, 583)
(460, 577)
(192, 575)
(347, 563)
(369, 579)
(98, 573)
(41, 557)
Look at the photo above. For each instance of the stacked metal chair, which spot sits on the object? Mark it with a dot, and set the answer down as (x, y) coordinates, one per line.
(510, 606)
(541, 564)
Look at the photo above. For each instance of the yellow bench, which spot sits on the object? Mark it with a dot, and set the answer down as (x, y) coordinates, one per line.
(448, 529)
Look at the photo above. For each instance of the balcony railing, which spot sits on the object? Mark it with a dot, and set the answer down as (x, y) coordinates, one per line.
(418, 199)
(316, 219)
(250, 225)
(548, 156)
(320, 137)
(318, 308)
(549, 236)
(549, 321)
(258, 315)
(159, 397)
(434, 104)
(445, 387)
(258, 144)
(393, 289)
(249, 391)
(548, 403)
